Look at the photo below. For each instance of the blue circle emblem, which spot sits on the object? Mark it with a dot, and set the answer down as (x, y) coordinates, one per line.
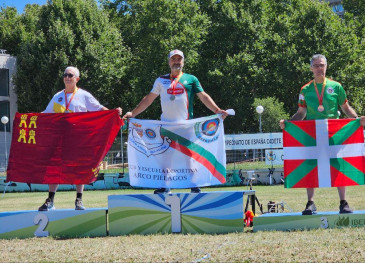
(210, 127)
(150, 133)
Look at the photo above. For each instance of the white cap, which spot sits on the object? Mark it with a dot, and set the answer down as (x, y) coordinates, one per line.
(176, 52)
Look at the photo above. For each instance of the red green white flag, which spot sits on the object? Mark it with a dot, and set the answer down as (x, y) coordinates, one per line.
(323, 153)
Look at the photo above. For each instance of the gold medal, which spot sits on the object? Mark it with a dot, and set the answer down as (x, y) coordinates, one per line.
(320, 108)
(69, 102)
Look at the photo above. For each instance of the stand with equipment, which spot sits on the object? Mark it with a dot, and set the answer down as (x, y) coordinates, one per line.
(253, 198)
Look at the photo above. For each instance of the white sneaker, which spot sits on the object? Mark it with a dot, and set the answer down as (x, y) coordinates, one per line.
(79, 205)
(47, 206)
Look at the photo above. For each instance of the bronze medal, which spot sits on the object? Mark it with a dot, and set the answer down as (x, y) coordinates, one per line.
(320, 97)
(173, 85)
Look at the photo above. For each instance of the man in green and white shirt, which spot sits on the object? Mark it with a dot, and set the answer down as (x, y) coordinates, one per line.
(177, 101)
(320, 99)
(333, 96)
(176, 91)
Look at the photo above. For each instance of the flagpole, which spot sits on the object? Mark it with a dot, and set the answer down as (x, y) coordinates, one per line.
(121, 146)
(5, 120)
(260, 110)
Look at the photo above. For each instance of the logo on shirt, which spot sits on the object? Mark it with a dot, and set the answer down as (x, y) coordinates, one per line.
(301, 97)
(207, 131)
(177, 91)
(330, 90)
(60, 99)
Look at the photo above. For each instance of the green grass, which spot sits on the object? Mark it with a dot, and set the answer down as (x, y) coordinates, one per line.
(326, 198)
(330, 245)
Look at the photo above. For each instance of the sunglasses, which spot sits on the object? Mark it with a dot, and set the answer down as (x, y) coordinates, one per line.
(68, 75)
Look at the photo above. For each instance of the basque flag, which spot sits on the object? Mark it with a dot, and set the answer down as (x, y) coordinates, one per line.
(324, 153)
(60, 148)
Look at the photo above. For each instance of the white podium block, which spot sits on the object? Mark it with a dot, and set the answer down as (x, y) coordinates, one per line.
(297, 221)
(210, 212)
(57, 223)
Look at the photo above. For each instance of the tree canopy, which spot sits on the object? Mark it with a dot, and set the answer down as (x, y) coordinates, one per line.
(73, 33)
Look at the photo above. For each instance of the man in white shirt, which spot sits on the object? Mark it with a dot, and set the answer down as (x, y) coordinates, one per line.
(176, 91)
(71, 99)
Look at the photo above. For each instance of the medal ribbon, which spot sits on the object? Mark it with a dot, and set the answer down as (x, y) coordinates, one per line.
(320, 97)
(72, 96)
(174, 82)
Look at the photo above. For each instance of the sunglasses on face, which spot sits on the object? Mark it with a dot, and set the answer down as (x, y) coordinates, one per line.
(68, 75)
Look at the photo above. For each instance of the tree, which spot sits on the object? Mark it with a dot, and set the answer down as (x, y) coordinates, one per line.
(355, 72)
(256, 49)
(15, 28)
(10, 34)
(74, 33)
(239, 50)
(355, 11)
(152, 28)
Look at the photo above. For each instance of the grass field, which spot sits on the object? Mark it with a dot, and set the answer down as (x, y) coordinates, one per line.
(330, 245)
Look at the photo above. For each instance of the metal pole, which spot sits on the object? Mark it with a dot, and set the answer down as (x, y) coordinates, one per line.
(260, 128)
(6, 150)
(122, 146)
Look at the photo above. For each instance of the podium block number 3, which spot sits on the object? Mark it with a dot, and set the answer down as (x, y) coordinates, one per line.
(324, 222)
(174, 202)
(42, 221)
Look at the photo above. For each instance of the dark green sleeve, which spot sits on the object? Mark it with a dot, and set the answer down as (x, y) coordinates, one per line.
(197, 87)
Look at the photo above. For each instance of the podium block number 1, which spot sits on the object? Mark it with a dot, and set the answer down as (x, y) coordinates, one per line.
(174, 202)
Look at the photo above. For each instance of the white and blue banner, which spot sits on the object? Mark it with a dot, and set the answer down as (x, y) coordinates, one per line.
(274, 157)
(181, 154)
(254, 141)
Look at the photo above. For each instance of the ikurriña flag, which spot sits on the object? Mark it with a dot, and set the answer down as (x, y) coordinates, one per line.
(181, 154)
(60, 148)
(324, 153)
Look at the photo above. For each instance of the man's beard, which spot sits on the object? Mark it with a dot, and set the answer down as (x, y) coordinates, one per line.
(176, 67)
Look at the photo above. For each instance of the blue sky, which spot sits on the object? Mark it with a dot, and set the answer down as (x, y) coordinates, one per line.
(20, 4)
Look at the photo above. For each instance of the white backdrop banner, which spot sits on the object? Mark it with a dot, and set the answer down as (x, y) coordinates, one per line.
(274, 157)
(254, 141)
(181, 154)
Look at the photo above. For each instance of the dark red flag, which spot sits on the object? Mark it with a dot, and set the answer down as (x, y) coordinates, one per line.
(60, 148)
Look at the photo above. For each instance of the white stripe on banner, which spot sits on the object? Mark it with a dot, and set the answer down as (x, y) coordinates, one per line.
(323, 152)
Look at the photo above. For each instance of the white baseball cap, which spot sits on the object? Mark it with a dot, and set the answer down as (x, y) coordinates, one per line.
(176, 52)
